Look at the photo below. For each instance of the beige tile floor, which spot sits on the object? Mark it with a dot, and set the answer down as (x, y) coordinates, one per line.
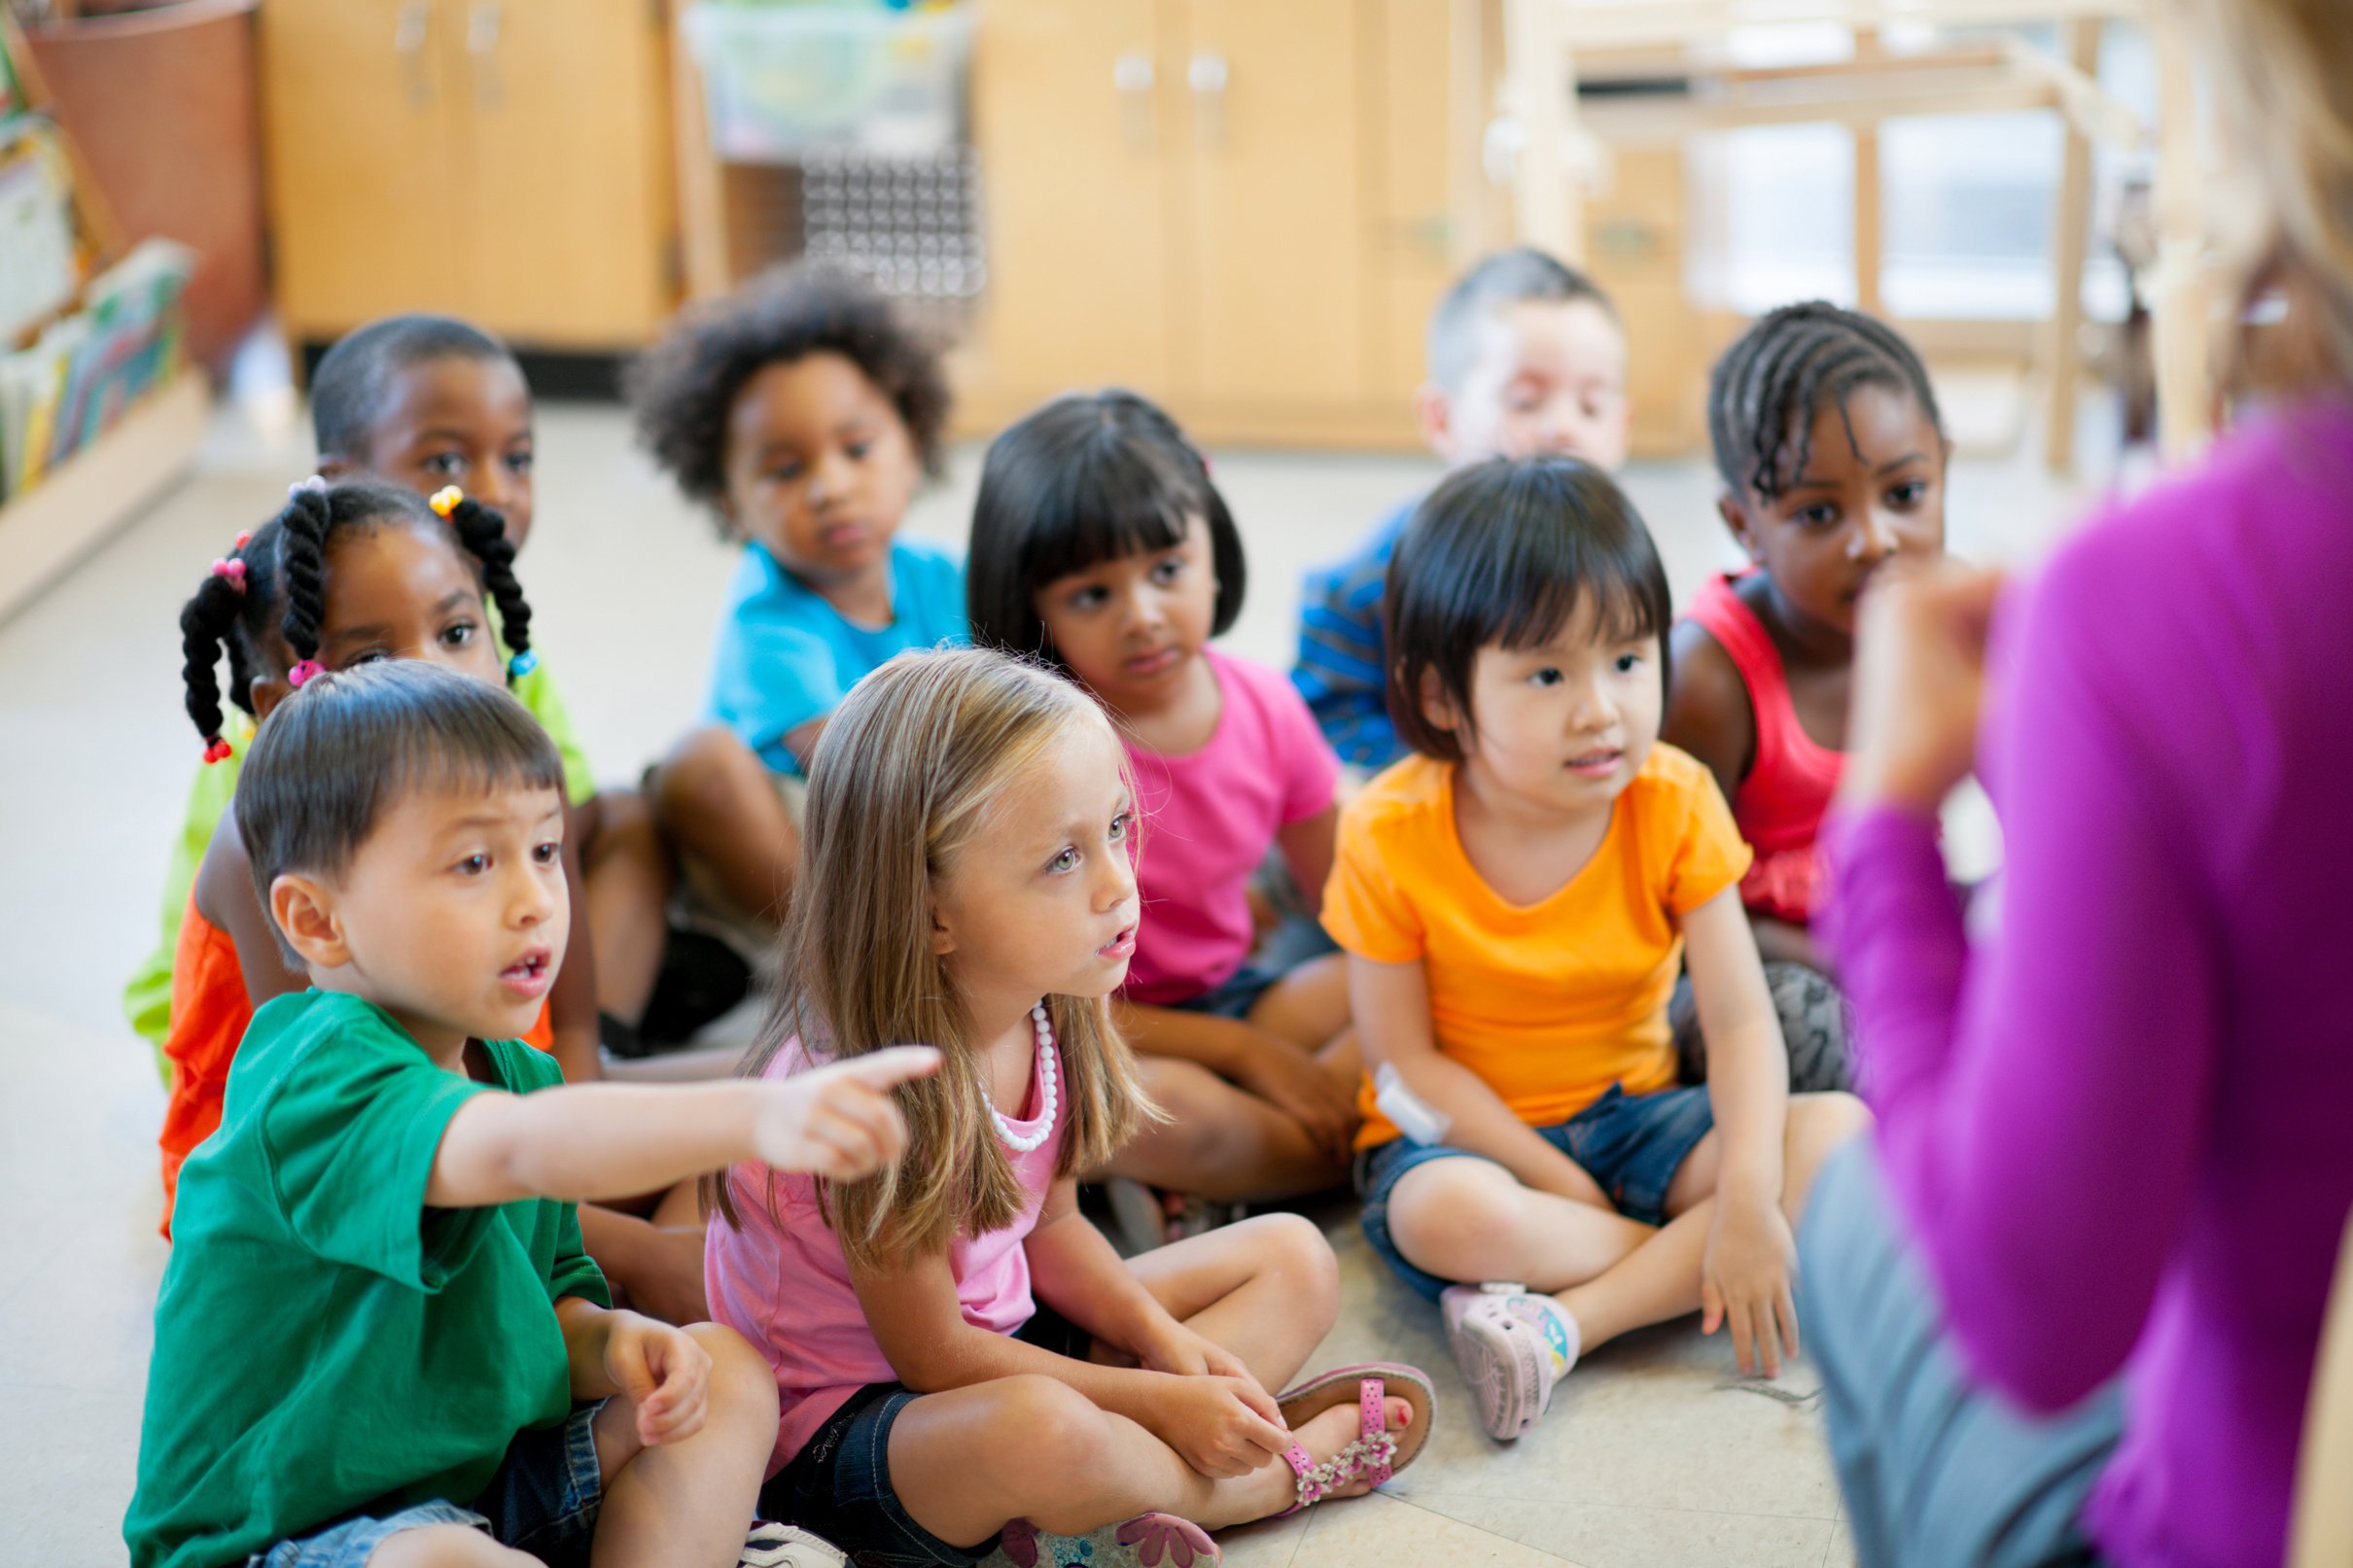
(1655, 1455)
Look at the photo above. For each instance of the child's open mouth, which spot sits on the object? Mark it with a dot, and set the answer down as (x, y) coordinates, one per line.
(530, 974)
(1157, 662)
(1118, 947)
(1596, 764)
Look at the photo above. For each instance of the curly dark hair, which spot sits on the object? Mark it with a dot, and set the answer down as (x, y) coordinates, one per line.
(681, 390)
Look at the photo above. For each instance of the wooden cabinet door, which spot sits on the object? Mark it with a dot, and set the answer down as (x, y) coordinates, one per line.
(1071, 117)
(364, 185)
(1277, 201)
(564, 167)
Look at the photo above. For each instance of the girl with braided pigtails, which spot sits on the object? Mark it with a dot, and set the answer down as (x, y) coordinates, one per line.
(348, 574)
(1833, 457)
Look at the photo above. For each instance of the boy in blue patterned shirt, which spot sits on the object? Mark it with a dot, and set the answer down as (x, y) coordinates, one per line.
(1526, 356)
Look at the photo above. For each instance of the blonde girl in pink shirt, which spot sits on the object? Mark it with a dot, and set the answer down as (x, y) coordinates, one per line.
(1099, 543)
(959, 1355)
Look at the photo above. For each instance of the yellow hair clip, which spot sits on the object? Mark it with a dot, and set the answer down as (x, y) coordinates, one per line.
(444, 501)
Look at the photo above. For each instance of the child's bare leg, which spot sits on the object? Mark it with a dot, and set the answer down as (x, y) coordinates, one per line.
(1307, 1005)
(1661, 1279)
(690, 1501)
(628, 874)
(716, 800)
(1222, 1143)
(963, 1463)
(1266, 1289)
(446, 1545)
(1471, 1220)
(654, 1270)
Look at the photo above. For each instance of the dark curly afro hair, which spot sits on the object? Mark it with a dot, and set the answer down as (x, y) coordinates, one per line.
(682, 389)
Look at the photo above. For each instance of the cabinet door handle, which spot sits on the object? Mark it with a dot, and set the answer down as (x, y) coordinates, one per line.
(1131, 77)
(1207, 76)
(409, 31)
(482, 25)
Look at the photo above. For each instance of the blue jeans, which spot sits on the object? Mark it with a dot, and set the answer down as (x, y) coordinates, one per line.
(1936, 1470)
(541, 1500)
(1630, 1144)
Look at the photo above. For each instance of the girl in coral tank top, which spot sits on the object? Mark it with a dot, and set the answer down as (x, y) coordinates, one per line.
(1833, 456)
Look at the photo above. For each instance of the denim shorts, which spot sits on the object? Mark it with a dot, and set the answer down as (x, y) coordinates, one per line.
(541, 1500)
(839, 1485)
(1630, 1144)
(1233, 996)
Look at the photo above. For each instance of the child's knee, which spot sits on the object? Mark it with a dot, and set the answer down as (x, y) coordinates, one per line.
(1292, 1249)
(1821, 1123)
(1453, 1208)
(703, 775)
(742, 1385)
(445, 1545)
(1062, 1431)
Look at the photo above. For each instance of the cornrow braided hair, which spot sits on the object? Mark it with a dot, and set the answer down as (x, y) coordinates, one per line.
(1765, 391)
(483, 533)
(275, 581)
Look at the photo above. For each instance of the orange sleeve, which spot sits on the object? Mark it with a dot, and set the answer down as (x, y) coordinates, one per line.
(1366, 908)
(541, 1037)
(209, 1012)
(1709, 854)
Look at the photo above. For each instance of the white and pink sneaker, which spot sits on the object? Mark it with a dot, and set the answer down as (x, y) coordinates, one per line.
(1512, 1345)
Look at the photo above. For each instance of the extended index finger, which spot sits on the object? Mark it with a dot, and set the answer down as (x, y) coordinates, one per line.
(891, 1065)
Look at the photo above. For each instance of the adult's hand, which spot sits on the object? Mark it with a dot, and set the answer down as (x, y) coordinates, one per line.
(1919, 683)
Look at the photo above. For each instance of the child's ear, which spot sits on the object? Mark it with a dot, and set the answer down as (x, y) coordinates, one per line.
(1434, 414)
(303, 911)
(943, 940)
(1437, 708)
(267, 692)
(1735, 518)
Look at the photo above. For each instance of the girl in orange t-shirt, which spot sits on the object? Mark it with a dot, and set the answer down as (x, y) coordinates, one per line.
(1515, 900)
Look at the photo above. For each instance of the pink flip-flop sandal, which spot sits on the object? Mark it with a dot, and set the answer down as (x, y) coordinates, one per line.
(1375, 1451)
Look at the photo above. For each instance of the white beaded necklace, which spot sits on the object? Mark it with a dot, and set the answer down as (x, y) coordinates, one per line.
(1025, 1142)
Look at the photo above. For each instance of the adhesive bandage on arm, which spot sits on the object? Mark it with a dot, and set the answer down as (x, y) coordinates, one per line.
(1414, 1117)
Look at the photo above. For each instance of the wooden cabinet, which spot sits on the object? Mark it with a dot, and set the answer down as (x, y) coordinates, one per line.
(1246, 209)
(503, 161)
(1193, 197)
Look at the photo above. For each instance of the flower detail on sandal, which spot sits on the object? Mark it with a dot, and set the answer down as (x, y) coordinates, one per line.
(1163, 1538)
(1371, 1454)
(1146, 1541)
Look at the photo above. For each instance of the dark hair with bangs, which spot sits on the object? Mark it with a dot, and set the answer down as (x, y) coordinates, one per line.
(1093, 477)
(1502, 554)
(349, 746)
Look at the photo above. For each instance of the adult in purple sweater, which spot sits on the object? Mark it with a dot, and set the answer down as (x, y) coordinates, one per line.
(2066, 1301)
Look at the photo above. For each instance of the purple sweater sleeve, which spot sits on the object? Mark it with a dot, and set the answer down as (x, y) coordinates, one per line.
(2042, 1096)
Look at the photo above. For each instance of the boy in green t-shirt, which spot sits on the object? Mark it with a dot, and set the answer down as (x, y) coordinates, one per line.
(378, 1338)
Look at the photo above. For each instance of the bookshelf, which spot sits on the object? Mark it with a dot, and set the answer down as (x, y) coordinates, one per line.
(116, 412)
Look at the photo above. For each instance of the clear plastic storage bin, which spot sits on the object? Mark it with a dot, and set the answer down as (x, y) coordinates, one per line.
(779, 78)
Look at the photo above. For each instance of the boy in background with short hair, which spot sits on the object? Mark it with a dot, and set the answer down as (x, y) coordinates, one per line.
(1526, 355)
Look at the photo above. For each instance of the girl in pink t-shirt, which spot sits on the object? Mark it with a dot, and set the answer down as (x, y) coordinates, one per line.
(1099, 543)
(957, 1351)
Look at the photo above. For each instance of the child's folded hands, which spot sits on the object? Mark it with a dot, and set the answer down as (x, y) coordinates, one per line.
(1222, 1426)
(839, 1122)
